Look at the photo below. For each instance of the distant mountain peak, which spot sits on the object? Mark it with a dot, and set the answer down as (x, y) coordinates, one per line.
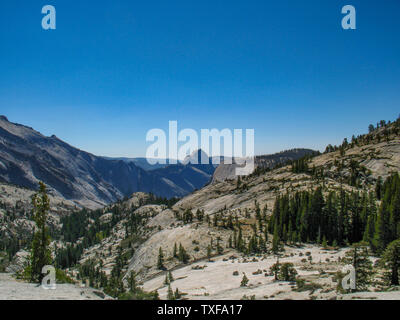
(4, 118)
(196, 157)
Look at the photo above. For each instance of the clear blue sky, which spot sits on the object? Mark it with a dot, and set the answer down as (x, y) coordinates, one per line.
(115, 69)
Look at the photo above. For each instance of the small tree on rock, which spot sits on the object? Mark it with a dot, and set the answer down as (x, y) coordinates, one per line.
(160, 261)
(170, 294)
(245, 281)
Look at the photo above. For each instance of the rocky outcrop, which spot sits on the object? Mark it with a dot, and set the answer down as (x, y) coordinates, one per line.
(228, 171)
(11, 289)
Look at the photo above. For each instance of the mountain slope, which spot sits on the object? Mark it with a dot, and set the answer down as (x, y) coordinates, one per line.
(141, 163)
(220, 201)
(228, 171)
(366, 160)
(26, 157)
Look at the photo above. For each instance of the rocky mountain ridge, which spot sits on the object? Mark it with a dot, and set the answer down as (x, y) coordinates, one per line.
(27, 157)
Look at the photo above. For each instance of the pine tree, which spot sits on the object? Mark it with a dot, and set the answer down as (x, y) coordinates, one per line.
(220, 250)
(266, 235)
(238, 182)
(244, 281)
(170, 294)
(209, 253)
(371, 128)
(391, 257)
(275, 240)
(358, 257)
(175, 252)
(378, 188)
(240, 243)
(160, 262)
(132, 282)
(182, 255)
(369, 232)
(287, 272)
(324, 242)
(178, 295)
(40, 254)
(275, 269)
(199, 215)
(170, 277)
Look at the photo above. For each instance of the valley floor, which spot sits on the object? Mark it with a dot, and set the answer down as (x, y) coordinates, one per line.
(11, 289)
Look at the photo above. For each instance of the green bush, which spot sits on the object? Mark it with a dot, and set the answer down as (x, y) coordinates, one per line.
(62, 277)
(245, 281)
(303, 286)
(139, 294)
(287, 272)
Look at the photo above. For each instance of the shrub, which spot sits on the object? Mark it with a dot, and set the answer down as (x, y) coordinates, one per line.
(139, 294)
(245, 281)
(303, 286)
(287, 272)
(62, 277)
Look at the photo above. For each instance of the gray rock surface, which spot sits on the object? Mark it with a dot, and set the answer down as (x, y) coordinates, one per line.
(11, 289)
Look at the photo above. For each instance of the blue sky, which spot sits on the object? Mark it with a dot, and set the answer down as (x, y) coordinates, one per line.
(112, 70)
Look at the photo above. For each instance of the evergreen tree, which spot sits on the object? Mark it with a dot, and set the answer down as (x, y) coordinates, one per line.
(220, 250)
(132, 284)
(275, 240)
(358, 257)
(324, 242)
(40, 254)
(170, 294)
(160, 261)
(275, 269)
(378, 188)
(371, 128)
(209, 253)
(177, 294)
(391, 257)
(170, 277)
(244, 281)
(369, 232)
(182, 255)
(287, 272)
(266, 235)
